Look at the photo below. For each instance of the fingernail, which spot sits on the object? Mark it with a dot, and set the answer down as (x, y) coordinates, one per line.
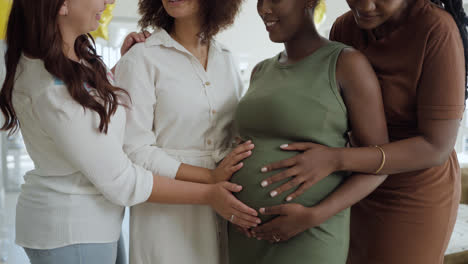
(248, 141)
(273, 193)
(259, 221)
(261, 210)
(264, 183)
(284, 146)
(288, 199)
(264, 169)
(251, 145)
(249, 152)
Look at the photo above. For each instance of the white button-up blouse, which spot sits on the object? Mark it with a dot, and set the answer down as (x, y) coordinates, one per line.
(178, 108)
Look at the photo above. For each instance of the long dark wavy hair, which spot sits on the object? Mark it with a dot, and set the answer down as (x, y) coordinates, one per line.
(33, 30)
(217, 15)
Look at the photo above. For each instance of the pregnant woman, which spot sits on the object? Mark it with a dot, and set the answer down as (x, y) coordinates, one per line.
(315, 90)
(417, 48)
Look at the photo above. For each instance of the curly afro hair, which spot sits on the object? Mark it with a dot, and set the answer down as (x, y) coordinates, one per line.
(217, 15)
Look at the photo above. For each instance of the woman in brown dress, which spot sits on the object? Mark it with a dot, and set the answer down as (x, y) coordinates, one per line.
(417, 50)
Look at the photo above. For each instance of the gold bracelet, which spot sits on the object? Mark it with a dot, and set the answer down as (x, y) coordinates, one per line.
(383, 159)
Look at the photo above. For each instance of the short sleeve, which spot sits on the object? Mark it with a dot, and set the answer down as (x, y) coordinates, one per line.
(441, 89)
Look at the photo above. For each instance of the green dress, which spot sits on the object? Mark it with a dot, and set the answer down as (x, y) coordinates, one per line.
(292, 103)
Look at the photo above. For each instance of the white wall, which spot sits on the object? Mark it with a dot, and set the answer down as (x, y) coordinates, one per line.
(335, 8)
(126, 8)
(248, 38)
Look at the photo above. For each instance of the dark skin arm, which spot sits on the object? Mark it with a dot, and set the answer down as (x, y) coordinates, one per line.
(441, 86)
(430, 149)
(361, 92)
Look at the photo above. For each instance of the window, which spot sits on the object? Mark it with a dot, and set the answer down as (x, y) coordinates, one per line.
(16, 161)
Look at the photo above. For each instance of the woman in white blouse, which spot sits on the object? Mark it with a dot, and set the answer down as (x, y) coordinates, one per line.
(185, 88)
(58, 92)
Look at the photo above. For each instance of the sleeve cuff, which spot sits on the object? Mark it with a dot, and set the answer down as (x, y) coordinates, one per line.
(442, 112)
(148, 189)
(221, 154)
(169, 167)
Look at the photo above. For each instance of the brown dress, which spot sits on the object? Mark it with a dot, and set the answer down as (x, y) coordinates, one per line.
(410, 217)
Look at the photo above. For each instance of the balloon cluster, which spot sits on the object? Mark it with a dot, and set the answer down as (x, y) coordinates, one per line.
(103, 30)
(5, 6)
(320, 10)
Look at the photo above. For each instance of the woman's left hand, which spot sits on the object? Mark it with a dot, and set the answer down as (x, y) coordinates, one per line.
(292, 219)
(232, 162)
(307, 168)
(132, 39)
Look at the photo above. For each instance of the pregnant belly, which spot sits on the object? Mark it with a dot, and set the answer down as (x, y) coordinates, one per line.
(255, 196)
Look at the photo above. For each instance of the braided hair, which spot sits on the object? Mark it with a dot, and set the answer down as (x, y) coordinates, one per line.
(455, 8)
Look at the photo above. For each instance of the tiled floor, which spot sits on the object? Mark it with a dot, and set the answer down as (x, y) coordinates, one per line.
(16, 255)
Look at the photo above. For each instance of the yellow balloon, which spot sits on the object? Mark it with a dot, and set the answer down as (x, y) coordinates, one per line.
(5, 6)
(320, 11)
(103, 31)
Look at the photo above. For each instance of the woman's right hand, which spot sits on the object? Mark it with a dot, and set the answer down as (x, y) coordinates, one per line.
(230, 208)
(132, 39)
(232, 162)
(314, 163)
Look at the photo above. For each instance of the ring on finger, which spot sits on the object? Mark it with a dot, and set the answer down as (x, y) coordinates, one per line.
(232, 219)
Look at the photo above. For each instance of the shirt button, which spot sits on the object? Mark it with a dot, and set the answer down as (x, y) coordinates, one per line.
(213, 112)
(208, 142)
(207, 83)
